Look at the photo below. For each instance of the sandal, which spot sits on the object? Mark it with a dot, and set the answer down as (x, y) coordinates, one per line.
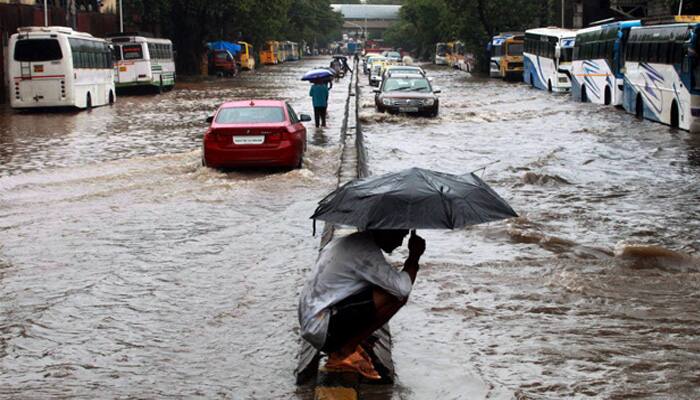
(356, 363)
(361, 351)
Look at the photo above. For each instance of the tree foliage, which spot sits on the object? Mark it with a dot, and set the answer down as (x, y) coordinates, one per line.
(426, 22)
(192, 23)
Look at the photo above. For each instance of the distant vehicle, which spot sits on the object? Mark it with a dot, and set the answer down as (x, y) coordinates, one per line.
(367, 61)
(441, 54)
(222, 63)
(511, 62)
(376, 69)
(265, 133)
(456, 56)
(269, 54)
(402, 70)
(56, 66)
(547, 57)
(143, 61)
(496, 53)
(407, 94)
(246, 59)
(662, 73)
(598, 63)
(291, 51)
(393, 56)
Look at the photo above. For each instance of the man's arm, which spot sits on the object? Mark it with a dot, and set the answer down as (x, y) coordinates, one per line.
(416, 247)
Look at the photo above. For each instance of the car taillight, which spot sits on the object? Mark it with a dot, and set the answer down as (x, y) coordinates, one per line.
(274, 137)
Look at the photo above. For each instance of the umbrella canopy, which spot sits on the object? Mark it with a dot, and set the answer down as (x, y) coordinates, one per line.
(414, 199)
(316, 74)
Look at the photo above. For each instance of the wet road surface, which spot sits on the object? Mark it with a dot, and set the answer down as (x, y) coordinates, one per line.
(128, 270)
(592, 292)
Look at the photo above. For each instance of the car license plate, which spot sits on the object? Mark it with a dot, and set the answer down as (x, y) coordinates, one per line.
(408, 109)
(258, 139)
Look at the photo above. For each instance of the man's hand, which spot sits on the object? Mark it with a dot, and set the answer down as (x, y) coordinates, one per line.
(416, 246)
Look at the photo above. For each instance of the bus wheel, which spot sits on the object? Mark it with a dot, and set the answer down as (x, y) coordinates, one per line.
(584, 95)
(608, 96)
(674, 115)
(639, 108)
(88, 101)
(549, 86)
(111, 98)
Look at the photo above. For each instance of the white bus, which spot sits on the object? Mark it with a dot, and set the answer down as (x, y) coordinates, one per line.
(547, 57)
(662, 73)
(143, 61)
(441, 54)
(496, 51)
(56, 66)
(597, 69)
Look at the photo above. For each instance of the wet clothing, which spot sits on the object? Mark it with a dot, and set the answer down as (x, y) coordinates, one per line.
(345, 267)
(319, 95)
(320, 116)
(347, 319)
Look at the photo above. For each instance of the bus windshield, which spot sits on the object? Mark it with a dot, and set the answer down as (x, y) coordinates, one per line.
(132, 51)
(497, 51)
(515, 49)
(250, 115)
(566, 54)
(441, 50)
(32, 50)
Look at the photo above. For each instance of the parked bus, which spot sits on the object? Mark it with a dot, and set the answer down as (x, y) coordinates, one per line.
(246, 59)
(441, 54)
(598, 63)
(455, 54)
(143, 61)
(511, 63)
(547, 57)
(495, 54)
(269, 54)
(662, 73)
(56, 66)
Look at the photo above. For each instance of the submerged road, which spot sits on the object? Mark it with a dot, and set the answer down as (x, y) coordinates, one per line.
(127, 270)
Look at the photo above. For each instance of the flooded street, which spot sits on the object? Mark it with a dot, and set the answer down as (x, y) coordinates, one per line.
(127, 270)
(592, 292)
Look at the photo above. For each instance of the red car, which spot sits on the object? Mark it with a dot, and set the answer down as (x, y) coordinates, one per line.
(263, 133)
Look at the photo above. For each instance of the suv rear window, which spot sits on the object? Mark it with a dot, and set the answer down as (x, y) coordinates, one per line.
(30, 50)
(250, 115)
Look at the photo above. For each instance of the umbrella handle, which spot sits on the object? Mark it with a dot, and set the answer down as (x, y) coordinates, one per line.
(413, 233)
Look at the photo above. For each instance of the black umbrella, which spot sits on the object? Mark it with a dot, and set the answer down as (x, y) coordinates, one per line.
(413, 199)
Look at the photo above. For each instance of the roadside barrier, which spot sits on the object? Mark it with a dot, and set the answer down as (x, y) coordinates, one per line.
(353, 164)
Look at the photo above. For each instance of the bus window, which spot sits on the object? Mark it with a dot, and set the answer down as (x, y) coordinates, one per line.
(37, 50)
(515, 49)
(117, 52)
(132, 52)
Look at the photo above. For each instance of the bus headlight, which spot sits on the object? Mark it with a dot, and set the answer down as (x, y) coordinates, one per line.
(429, 102)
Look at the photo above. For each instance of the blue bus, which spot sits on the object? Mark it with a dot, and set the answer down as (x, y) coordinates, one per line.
(547, 57)
(597, 70)
(662, 73)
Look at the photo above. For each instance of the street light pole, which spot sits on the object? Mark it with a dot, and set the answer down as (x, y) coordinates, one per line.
(562, 13)
(121, 17)
(680, 7)
(46, 14)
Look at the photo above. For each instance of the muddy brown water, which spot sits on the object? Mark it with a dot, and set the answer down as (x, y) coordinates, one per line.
(128, 270)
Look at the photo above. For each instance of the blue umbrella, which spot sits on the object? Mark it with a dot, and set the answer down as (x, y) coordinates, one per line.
(316, 74)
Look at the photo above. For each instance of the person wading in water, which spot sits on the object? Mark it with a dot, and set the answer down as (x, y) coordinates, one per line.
(353, 292)
(319, 99)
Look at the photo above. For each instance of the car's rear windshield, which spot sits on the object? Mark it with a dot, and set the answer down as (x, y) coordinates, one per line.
(32, 50)
(393, 54)
(250, 115)
(406, 85)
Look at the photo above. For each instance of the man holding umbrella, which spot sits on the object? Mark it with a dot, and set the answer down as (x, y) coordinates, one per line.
(354, 292)
(319, 98)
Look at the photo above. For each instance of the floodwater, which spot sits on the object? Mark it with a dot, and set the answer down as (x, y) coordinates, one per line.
(127, 270)
(592, 292)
